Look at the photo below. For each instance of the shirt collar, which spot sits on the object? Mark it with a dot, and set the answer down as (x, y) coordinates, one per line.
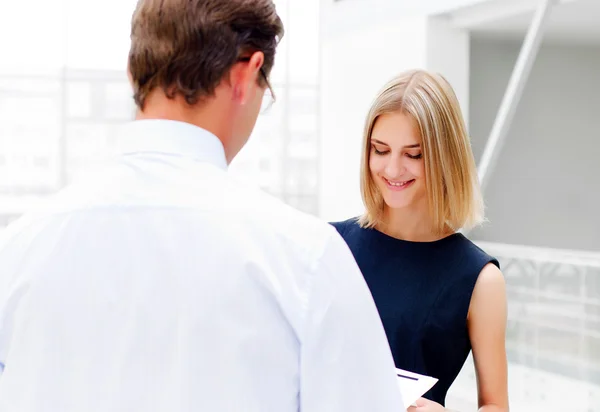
(174, 138)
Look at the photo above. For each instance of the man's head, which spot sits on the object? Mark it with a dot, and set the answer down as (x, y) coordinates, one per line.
(205, 62)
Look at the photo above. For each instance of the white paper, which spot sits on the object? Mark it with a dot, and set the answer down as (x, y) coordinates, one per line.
(413, 386)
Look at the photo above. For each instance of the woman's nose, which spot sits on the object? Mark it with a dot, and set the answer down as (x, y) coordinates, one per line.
(394, 169)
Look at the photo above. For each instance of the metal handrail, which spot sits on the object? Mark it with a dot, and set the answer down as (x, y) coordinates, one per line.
(540, 254)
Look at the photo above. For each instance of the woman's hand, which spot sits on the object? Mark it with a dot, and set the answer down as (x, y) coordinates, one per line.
(425, 405)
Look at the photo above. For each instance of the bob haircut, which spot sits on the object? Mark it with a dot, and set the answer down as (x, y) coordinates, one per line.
(453, 191)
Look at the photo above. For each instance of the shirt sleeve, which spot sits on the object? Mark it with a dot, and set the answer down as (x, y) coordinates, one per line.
(14, 242)
(6, 274)
(346, 363)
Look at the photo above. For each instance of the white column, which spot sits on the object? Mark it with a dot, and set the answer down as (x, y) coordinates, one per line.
(448, 53)
(361, 49)
(358, 55)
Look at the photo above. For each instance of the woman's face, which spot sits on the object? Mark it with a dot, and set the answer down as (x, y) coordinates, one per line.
(396, 161)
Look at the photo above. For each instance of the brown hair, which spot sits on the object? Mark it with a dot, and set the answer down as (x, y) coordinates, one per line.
(187, 46)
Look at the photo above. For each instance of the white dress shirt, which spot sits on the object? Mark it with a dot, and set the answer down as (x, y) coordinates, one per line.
(166, 285)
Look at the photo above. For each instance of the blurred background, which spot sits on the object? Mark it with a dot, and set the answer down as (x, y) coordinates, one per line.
(527, 73)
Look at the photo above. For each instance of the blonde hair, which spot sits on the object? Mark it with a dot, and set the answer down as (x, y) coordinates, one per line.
(453, 191)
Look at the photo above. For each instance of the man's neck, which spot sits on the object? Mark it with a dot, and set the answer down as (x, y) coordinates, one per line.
(160, 107)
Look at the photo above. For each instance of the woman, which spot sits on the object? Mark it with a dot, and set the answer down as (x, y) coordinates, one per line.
(438, 295)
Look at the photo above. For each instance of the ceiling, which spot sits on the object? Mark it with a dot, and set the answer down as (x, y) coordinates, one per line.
(576, 21)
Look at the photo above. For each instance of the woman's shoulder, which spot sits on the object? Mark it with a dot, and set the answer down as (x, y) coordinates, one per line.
(346, 227)
(475, 253)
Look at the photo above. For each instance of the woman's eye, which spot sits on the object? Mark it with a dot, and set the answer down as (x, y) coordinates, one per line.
(380, 152)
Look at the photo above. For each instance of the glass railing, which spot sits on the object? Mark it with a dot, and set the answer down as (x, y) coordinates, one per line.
(553, 332)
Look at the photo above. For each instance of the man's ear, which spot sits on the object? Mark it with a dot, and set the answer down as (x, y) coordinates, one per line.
(256, 62)
(129, 76)
(245, 77)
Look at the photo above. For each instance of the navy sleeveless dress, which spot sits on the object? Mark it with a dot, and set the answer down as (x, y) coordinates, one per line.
(422, 291)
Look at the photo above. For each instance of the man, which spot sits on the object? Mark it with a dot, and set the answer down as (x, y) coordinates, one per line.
(165, 285)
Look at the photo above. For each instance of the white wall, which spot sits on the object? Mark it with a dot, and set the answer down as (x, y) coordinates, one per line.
(545, 190)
